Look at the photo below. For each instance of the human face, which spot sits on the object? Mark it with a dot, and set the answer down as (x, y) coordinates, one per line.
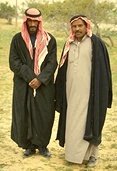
(32, 25)
(79, 29)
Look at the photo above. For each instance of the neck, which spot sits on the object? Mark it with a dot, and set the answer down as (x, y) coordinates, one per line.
(32, 34)
(78, 39)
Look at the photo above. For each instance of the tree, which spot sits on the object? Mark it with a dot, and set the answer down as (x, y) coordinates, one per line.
(7, 12)
(60, 12)
(63, 11)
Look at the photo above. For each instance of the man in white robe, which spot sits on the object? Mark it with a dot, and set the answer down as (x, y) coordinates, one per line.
(77, 87)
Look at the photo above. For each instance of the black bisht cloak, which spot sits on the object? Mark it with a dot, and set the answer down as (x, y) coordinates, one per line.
(32, 117)
(100, 94)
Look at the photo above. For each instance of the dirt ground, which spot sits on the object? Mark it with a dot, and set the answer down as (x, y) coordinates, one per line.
(11, 157)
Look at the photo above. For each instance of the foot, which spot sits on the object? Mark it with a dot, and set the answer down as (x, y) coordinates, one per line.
(92, 162)
(44, 152)
(29, 152)
(85, 162)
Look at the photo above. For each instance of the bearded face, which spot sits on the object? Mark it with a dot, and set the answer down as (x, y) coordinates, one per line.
(32, 25)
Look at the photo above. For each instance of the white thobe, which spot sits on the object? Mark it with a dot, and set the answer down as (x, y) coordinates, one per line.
(78, 91)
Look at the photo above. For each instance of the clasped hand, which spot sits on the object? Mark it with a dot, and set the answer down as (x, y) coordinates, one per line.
(35, 83)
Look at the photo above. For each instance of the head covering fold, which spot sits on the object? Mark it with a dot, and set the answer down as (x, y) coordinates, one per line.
(42, 38)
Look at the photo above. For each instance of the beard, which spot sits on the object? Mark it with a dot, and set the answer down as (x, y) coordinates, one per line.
(32, 29)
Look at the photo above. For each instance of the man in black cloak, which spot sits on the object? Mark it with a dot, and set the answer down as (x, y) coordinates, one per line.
(83, 92)
(33, 61)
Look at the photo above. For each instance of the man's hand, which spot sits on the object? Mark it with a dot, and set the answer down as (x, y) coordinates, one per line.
(35, 83)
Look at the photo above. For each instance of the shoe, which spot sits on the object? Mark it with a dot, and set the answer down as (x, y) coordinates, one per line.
(85, 162)
(29, 152)
(92, 162)
(44, 152)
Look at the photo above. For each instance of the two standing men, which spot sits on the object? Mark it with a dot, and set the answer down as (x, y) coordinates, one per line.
(83, 89)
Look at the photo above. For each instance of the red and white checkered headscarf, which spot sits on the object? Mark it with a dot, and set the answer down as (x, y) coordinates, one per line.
(42, 38)
(72, 37)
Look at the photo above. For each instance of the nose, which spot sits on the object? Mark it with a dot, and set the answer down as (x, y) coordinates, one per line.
(32, 23)
(77, 28)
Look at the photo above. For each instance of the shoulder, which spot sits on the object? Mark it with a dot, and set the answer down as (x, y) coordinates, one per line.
(52, 42)
(52, 38)
(98, 41)
(51, 35)
(96, 38)
(99, 46)
(16, 37)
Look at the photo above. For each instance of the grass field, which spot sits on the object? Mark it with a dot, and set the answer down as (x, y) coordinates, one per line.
(11, 158)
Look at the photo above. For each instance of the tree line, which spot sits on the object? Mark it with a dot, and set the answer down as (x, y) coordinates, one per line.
(60, 12)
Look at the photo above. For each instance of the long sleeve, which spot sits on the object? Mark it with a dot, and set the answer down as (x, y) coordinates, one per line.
(18, 62)
(107, 61)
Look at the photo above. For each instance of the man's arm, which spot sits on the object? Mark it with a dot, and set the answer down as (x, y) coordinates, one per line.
(17, 66)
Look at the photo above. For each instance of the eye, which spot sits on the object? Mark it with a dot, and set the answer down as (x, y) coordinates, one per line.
(80, 25)
(74, 26)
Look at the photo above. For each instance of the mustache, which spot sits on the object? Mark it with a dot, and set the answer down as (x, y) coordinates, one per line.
(31, 27)
(77, 31)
